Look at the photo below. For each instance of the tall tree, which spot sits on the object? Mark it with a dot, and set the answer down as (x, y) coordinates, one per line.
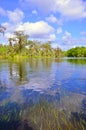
(46, 49)
(21, 39)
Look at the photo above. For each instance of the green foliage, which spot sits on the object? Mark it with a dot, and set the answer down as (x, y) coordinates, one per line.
(20, 45)
(3, 50)
(21, 40)
(30, 49)
(77, 52)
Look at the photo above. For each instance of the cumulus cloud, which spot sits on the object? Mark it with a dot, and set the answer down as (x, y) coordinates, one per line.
(15, 16)
(40, 29)
(70, 9)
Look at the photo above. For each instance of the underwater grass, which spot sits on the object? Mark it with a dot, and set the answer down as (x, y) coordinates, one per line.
(41, 116)
(47, 117)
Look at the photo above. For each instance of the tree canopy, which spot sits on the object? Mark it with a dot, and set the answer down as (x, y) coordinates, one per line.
(77, 52)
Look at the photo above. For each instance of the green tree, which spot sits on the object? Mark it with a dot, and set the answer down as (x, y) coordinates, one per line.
(46, 49)
(77, 52)
(34, 48)
(58, 52)
(21, 40)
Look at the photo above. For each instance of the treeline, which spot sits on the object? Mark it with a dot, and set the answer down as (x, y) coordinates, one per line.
(38, 49)
(32, 50)
(20, 45)
(76, 52)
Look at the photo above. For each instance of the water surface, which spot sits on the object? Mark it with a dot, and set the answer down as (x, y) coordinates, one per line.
(27, 82)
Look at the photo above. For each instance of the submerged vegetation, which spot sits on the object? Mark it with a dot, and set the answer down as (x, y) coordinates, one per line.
(41, 116)
(47, 117)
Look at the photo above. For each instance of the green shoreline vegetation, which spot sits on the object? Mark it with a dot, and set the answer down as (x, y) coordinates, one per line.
(20, 47)
(35, 49)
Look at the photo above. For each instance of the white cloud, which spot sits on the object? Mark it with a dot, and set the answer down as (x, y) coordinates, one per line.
(2, 11)
(40, 29)
(51, 18)
(52, 37)
(9, 27)
(70, 9)
(9, 35)
(66, 39)
(34, 12)
(15, 16)
(59, 30)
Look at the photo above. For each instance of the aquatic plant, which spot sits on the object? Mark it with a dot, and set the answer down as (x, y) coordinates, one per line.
(47, 117)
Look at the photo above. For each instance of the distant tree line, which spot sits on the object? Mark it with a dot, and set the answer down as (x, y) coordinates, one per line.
(20, 45)
(76, 52)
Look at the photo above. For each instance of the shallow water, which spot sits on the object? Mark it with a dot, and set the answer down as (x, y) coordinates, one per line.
(30, 81)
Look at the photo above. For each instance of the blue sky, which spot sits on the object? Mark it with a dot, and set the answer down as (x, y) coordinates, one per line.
(63, 22)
